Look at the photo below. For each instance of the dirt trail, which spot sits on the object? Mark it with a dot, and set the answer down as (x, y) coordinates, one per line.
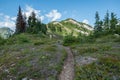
(67, 72)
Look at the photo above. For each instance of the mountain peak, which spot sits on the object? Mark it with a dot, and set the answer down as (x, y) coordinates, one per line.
(68, 26)
(80, 24)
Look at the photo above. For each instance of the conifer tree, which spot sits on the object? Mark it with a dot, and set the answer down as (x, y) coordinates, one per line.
(113, 21)
(20, 22)
(32, 23)
(43, 28)
(106, 21)
(98, 25)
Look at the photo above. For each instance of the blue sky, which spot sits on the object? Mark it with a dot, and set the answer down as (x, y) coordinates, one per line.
(50, 10)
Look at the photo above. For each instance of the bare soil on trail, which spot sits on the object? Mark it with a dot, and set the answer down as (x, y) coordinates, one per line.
(67, 72)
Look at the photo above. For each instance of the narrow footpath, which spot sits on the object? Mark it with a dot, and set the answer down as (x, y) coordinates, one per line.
(67, 72)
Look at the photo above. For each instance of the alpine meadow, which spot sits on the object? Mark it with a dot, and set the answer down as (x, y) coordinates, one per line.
(59, 40)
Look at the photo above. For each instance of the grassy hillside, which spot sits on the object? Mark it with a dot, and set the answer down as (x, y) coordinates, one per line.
(27, 56)
(41, 57)
(68, 26)
(99, 60)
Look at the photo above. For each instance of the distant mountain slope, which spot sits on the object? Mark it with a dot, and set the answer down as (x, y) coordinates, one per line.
(5, 32)
(69, 26)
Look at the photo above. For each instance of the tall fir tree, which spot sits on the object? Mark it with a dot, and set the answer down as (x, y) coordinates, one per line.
(106, 21)
(31, 23)
(34, 25)
(25, 20)
(43, 28)
(113, 21)
(100, 26)
(98, 23)
(20, 22)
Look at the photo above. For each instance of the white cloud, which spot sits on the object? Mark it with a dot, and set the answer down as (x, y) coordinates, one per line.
(85, 21)
(13, 18)
(9, 21)
(6, 21)
(54, 15)
(29, 10)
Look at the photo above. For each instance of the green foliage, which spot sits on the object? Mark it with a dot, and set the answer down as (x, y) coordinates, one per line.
(68, 26)
(87, 39)
(20, 22)
(90, 49)
(52, 27)
(27, 60)
(117, 29)
(2, 41)
(107, 26)
(113, 21)
(117, 39)
(35, 26)
(106, 21)
(107, 63)
(80, 39)
(69, 40)
(43, 28)
(104, 69)
(107, 38)
(38, 42)
(51, 48)
(98, 23)
(17, 39)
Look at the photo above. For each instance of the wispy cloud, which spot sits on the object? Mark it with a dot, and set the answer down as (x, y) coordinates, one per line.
(54, 15)
(7, 21)
(85, 21)
(13, 18)
(28, 10)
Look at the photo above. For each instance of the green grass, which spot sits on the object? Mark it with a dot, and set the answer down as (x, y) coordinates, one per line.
(34, 57)
(31, 56)
(107, 66)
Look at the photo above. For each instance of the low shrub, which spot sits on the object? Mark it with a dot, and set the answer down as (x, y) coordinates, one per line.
(88, 50)
(117, 40)
(104, 69)
(69, 39)
(2, 41)
(51, 48)
(18, 39)
(38, 42)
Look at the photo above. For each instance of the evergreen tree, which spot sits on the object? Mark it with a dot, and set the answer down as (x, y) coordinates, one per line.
(52, 27)
(98, 23)
(35, 25)
(32, 24)
(106, 21)
(100, 26)
(43, 28)
(20, 22)
(113, 21)
(25, 21)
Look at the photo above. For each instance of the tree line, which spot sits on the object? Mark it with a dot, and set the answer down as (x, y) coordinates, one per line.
(30, 25)
(109, 25)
